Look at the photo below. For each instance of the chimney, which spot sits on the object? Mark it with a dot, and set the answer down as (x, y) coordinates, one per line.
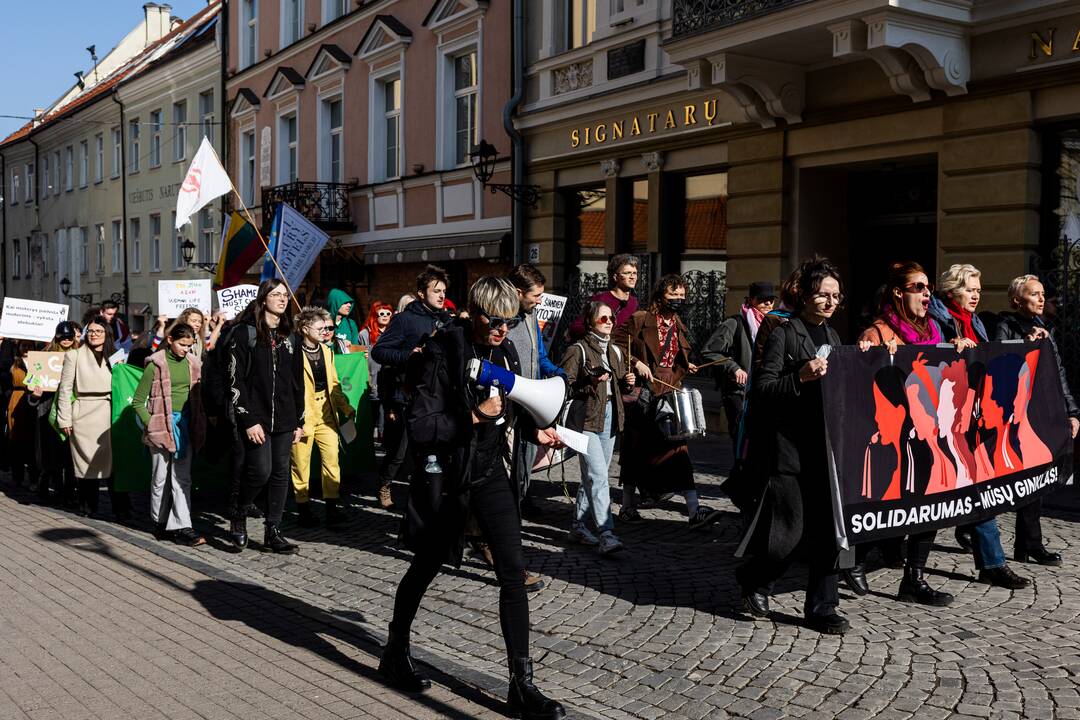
(38, 114)
(157, 21)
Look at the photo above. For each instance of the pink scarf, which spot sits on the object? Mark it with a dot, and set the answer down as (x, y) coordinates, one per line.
(753, 319)
(909, 333)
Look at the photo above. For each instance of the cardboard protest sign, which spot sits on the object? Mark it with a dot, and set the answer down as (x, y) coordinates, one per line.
(932, 438)
(31, 319)
(233, 300)
(175, 296)
(548, 314)
(43, 370)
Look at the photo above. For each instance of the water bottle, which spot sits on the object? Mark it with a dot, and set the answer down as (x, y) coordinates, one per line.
(432, 467)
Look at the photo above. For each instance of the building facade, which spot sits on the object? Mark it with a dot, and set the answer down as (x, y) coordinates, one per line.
(91, 183)
(751, 135)
(362, 116)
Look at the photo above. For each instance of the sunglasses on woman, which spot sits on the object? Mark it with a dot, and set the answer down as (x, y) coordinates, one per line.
(919, 287)
(384, 313)
(495, 323)
(606, 319)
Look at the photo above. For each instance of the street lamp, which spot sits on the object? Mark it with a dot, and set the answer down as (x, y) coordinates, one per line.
(187, 250)
(483, 159)
(65, 288)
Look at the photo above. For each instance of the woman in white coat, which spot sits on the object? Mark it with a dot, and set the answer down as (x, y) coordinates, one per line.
(84, 414)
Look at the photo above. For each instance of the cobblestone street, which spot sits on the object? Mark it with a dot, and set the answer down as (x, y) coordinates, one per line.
(653, 632)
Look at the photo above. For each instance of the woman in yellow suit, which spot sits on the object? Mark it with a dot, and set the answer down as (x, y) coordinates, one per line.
(324, 400)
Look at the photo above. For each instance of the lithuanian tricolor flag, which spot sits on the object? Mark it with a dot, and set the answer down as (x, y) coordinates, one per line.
(240, 249)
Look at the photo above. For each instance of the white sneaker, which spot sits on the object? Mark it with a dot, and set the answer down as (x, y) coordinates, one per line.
(609, 543)
(581, 535)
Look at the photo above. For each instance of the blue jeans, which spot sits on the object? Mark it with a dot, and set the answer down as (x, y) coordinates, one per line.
(987, 545)
(594, 494)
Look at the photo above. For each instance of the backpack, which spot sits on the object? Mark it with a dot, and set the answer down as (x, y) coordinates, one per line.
(216, 393)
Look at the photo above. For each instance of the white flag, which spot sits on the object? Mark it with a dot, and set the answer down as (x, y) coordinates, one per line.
(205, 181)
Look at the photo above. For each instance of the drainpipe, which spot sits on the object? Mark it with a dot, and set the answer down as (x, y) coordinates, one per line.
(37, 178)
(3, 242)
(517, 152)
(223, 24)
(123, 190)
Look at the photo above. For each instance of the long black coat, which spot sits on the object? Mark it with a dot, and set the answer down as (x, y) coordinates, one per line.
(439, 420)
(1014, 326)
(787, 450)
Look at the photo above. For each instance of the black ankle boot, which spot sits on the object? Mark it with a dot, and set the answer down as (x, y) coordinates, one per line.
(397, 668)
(855, 578)
(238, 532)
(915, 589)
(334, 516)
(275, 542)
(525, 699)
(305, 518)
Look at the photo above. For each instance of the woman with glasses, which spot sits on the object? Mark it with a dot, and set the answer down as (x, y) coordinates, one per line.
(464, 428)
(903, 319)
(84, 414)
(377, 321)
(659, 352)
(597, 372)
(622, 272)
(795, 516)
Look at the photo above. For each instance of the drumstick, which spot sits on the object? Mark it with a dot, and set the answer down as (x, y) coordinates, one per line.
(711, 362)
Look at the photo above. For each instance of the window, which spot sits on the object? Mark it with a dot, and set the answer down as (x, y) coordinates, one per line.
(99, 232)
(331, 141)
(84, 251)
(56, 173)
(465, 125)
(45, 252)
(179, 117)
(249, 40)
(136, 245)
(392, 125)
(29, 181)
(206, 115)
(155, 138)
(580, 22)
(247, 167)
(178, 241)
(84, 162)
(99, 153)
(117, 154)
(206, 236)
(292, 20)
(69, 168)
(117, 246)
(286, 149)
(14, 187)
(16, 259)
(44, 183)
(333, 9)
(134, 146)
(155, 243)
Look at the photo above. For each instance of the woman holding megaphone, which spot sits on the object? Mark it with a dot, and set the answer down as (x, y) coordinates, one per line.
(462, 431)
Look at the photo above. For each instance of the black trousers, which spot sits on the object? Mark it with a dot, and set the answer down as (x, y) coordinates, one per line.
(1029, 527)
(396, 445)
(918, 548)
(495, 510)
(267, 465)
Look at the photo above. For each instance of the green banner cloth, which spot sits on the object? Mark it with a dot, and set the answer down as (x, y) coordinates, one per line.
(352, 370)
(131, 459)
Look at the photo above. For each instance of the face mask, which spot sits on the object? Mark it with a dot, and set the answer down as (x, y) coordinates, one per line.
(676, 305)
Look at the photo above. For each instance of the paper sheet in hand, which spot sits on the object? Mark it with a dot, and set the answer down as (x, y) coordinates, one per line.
(348, 431)
(578, 442)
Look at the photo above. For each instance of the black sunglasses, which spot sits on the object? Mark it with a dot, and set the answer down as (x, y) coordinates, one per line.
(497, 322)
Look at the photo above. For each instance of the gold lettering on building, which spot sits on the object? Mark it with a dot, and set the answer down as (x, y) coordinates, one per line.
(575, 138)
(710, 111)
(652, 121)
(1076, 43)
(670, 122)
(600, 133)
(635, 129)
(587, 131)
(1045, 45)
(689, 118)
(616, 130)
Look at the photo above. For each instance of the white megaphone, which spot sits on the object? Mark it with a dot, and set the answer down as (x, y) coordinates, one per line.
(543, 399)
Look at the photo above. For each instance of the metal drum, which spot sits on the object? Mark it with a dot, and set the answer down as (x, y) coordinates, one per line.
(680, 414)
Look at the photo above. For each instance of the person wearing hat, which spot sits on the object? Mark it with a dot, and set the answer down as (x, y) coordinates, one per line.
(732, 347)
(52, 449)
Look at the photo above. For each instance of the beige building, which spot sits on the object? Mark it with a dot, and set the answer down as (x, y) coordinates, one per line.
(362, 116)
(91, 183)
(750, 135)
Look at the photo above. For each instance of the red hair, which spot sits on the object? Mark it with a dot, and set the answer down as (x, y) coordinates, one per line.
(372, 323)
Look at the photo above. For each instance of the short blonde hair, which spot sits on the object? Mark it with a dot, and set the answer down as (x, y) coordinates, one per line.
(309, 315)
(494, 296)
(1017, 285)
(956, 278)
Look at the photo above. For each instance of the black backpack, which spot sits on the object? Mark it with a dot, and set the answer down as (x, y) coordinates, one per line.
(216, 393)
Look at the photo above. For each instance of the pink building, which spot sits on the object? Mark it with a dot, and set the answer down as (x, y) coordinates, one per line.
(362, 115)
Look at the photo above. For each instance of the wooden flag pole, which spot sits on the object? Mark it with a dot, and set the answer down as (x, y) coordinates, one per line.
(266, 246)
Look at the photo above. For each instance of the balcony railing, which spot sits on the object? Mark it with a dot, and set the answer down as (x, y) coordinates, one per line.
(693, 16)
(325, 204)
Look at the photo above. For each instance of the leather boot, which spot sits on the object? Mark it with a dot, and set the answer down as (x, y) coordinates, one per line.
(304, 517)
(275, 542)
(238, 532)
(915, 589)
(396, 665)
(524, 699)
(855, 578)
(334, 516)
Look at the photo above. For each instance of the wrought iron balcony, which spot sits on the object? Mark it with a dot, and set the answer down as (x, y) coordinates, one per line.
(325, 204)
(693, 16)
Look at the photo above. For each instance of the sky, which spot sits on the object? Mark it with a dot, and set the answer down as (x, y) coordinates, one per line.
(45, 42)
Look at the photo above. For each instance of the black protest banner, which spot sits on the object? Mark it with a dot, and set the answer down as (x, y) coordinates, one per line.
(931, 438)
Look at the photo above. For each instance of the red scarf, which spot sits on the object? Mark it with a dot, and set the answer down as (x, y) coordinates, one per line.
(963, 317)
